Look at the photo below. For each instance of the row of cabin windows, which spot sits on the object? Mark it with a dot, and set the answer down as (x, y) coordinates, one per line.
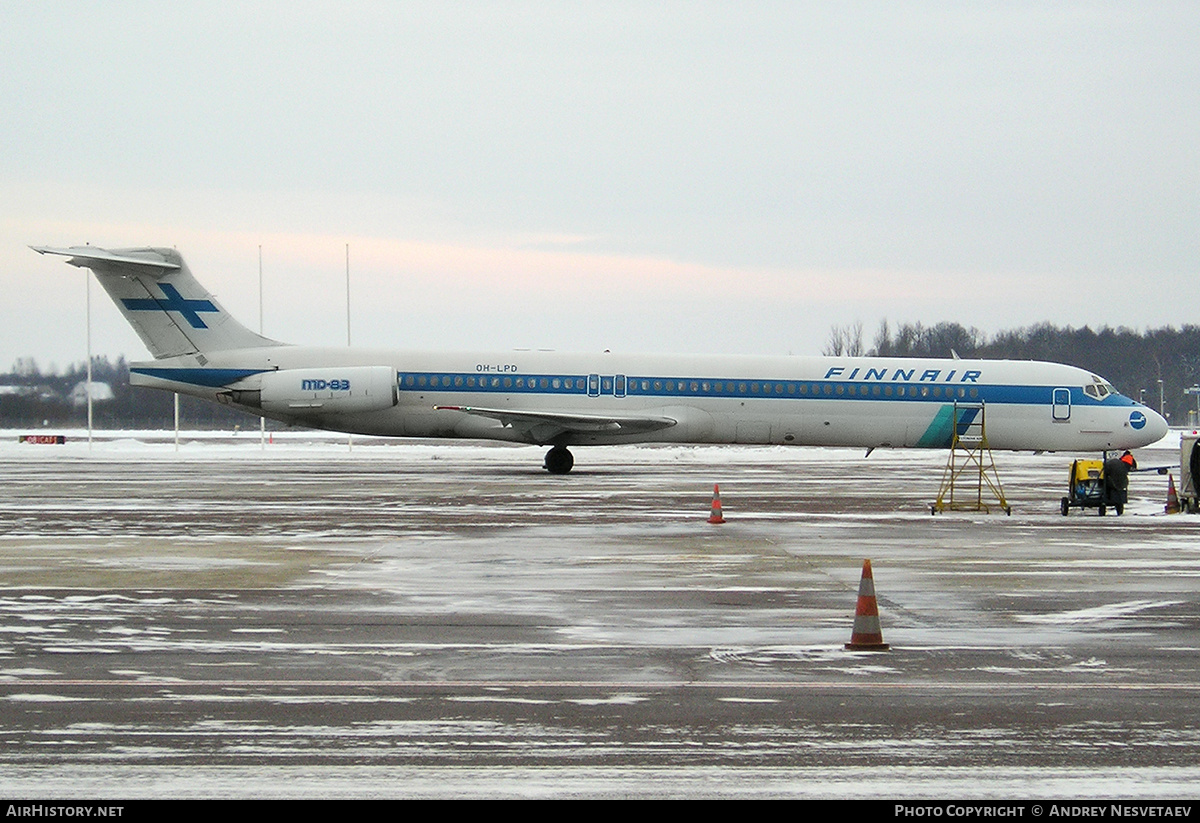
(459, 381)
(694, 386)
(804, 389)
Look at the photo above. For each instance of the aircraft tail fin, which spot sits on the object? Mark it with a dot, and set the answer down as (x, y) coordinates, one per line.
(167, 307)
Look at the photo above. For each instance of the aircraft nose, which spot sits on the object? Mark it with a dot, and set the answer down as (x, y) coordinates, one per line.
(1155, 428)
(1157, 425)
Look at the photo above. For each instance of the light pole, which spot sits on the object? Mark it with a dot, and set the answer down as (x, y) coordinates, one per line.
(88, 309)
(1160, 398)
(262, 421)
(349, 437)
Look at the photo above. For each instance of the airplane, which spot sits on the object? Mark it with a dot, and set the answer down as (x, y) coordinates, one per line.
(576, 399)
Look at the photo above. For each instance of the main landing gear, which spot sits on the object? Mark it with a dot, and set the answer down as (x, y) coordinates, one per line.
(559, 460)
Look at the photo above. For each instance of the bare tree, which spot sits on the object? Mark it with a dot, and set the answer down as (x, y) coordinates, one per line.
(835, 345)
(854, 344)
(845, 340)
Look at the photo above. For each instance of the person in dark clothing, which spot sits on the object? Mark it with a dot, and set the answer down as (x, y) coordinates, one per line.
(1116, 479)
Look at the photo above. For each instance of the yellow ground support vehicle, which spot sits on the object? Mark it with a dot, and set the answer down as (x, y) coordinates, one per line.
(1097, 484)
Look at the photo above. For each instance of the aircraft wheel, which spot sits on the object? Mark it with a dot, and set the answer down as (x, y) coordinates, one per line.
(1103, 510)
(1120, 510)
(1066, 506)
(559, 460)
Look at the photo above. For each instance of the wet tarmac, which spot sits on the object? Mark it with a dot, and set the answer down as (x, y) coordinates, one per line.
(432, 620)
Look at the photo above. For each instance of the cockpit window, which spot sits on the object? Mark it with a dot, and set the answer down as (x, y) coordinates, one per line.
(1098, 389)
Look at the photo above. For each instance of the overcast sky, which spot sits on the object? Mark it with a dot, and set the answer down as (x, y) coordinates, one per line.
(687, 177)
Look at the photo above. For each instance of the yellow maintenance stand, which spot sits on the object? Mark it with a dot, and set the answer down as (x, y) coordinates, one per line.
(971, 466)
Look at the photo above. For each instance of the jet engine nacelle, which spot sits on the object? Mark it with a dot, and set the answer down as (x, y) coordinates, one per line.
(324, 391)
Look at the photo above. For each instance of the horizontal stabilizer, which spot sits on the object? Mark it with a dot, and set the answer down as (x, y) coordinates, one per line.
(84, 255)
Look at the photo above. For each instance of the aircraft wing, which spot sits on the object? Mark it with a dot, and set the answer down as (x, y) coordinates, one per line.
(548, 424)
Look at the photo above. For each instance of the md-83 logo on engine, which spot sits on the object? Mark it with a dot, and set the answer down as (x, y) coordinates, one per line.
(322, 385)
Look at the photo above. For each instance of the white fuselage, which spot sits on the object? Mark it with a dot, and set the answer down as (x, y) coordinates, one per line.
(833, 401)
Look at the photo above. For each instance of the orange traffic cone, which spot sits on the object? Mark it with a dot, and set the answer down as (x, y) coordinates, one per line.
(1172, 497)
(867, 635)
(716, 517)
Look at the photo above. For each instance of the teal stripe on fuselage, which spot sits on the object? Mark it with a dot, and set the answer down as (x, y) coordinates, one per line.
(940, 431)
(937, 436)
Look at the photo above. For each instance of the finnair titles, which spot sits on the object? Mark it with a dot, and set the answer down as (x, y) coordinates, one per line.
(574, 399)
(930, 375)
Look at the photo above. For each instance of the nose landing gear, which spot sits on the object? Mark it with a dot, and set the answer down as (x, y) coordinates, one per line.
(559, 460)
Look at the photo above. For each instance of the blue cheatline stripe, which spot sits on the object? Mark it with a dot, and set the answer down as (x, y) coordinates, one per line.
(686, 387)
(212, 378)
